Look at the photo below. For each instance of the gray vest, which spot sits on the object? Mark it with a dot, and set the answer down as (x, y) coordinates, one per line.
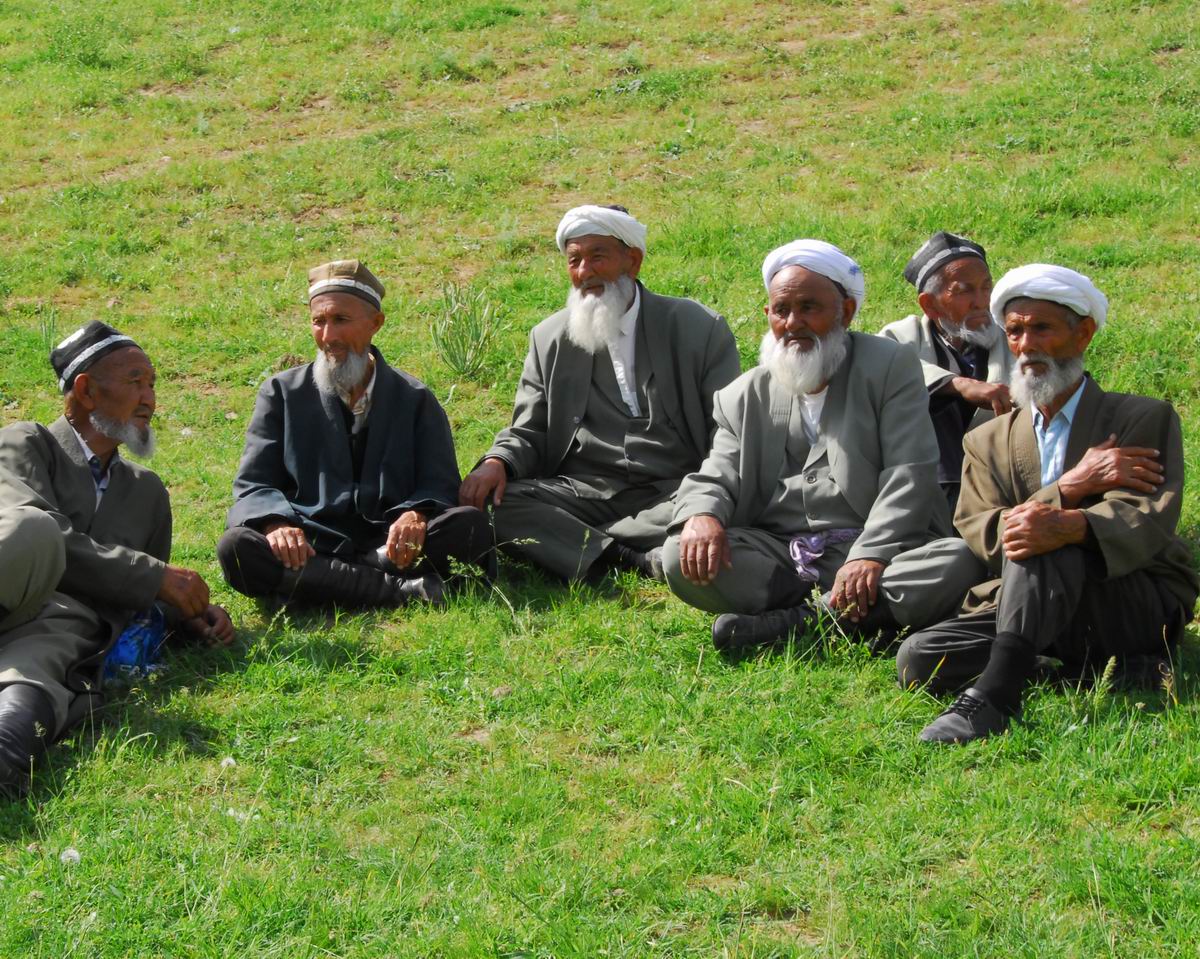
(613, 450)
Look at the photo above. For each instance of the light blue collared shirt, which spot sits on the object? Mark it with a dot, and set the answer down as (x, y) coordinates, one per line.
(1052, 438)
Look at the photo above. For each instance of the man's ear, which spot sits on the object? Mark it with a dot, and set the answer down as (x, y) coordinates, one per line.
(849, 307)
(636, 256)
(1084, 331)
(928, 304)
(378, 322)
(81, 392)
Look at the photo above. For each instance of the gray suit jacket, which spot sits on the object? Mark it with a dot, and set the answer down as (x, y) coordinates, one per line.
(882, 451)
(1131, 530)
(692, 354)
(117, 552)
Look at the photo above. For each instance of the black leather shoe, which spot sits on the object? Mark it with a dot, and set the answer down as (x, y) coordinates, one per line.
(26, 726)
(648, 563)
(428, 588)
(738, 632)
(970, 717)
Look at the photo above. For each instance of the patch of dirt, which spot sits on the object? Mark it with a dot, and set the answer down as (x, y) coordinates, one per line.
(480, 735)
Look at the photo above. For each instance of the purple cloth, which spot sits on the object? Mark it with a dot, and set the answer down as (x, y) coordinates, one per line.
(807, 548)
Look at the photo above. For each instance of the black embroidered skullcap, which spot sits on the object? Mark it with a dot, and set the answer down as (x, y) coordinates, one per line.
(83, 348)
(345, 276)
(936, 252)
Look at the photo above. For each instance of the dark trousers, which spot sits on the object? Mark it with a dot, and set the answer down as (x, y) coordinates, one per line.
(1059, 601)
(459, 535)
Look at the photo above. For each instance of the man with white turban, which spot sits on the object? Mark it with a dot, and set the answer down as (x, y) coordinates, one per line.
(822, 476)
(1072, 501)
(964, 358)
(613, 409)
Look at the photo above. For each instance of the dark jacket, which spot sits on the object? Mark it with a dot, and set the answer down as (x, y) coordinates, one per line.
(297, 465)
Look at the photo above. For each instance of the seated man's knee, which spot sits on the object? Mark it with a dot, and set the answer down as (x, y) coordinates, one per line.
(42, 540)
(915, 666)
(247, 562)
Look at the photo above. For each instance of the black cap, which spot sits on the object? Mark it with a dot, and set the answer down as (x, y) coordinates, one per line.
(936, 252)
(83, 348)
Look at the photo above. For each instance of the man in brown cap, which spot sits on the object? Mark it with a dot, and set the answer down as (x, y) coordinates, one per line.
(85, 537)
(347, 488)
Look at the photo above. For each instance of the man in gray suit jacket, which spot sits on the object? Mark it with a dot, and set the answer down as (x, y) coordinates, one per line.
(85, 537)
(1072, 501)
(964, 358)
(822, 475)
(613, 409)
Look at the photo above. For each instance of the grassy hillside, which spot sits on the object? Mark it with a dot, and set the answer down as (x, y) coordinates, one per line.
(574, 773)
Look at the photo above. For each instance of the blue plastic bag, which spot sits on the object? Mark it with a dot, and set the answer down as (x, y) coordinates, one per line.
(138, 649)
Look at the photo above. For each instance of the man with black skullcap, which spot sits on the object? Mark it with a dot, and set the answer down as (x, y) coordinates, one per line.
(347, 486)
(85, 537)
(964, 358)
(613, 409)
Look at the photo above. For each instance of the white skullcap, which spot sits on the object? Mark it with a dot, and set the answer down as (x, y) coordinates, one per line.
(594, 220)
(1042, 281)
(820, 257)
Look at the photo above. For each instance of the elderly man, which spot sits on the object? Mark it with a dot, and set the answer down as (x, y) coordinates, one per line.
(1072, 501)
(85, 537)
(964, 358)
(346, 489)
(613, 409)
(822, 475)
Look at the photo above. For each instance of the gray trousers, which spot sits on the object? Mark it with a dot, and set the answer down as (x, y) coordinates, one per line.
(545, 522)
(1063, 604)
(44, 633)
(917, 587)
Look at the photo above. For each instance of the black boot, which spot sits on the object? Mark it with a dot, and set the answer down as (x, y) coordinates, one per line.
(738, 632)
(324, 579)
(26, 725)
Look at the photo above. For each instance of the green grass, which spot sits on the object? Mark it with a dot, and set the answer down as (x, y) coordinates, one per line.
(574, 773)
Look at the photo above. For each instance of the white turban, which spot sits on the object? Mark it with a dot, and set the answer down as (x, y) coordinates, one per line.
(1041, 281)
(594, 220)
(820, 257)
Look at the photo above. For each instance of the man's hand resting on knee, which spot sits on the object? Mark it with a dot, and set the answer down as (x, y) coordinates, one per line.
(856, 588)
(289, 544)
(487, 479)
(1033, 528)
(703, 549)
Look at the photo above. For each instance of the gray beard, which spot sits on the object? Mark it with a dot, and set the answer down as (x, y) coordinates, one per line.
(1030, 391)
(804, 372)
(139, 443)
(985, 336)
(594, 322)
(336, 378)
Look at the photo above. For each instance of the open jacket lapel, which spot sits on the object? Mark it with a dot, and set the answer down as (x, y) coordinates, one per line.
(1086, 424)
(79, 488)
(571, 381)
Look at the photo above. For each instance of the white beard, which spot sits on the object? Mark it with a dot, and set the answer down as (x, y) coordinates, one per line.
(139, 443)
(804, 372)
(594, 321)
(985, 336)
(337, 377)
(1030, 390)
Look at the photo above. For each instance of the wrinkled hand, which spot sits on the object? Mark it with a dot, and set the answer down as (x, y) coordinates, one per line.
(213, 626)
(290, 545)
(489, 478)
(1032, 528)
(1109, 466)
(184, 590)
(703, 549)
(856, 587)
(987, 396)
(406, 539)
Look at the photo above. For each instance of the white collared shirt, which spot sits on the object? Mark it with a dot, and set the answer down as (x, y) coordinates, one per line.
(811, 405)
(362, 409)
(1052, 437)
(102, 483)
(622, 354)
